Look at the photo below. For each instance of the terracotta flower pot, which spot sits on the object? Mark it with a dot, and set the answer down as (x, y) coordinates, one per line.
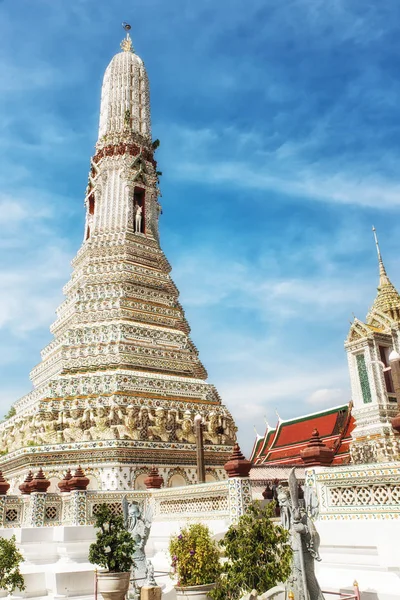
(113, 586)
(194, 592)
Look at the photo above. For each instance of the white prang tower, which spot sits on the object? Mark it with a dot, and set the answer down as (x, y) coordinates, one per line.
(372, 349)
(119, 386)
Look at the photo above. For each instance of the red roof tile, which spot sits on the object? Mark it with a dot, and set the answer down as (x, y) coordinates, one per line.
(282, 445)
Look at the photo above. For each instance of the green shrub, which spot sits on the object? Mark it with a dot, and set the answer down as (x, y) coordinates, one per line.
(10, 559)
(195, 556)
(114, 546)
(257, 552)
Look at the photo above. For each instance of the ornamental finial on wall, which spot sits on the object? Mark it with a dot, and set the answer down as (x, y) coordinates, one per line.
(126, 43)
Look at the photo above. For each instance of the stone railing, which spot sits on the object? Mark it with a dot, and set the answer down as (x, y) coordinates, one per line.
(356, 492)
(225, 500)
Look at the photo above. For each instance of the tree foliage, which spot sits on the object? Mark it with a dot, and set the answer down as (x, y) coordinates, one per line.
(114, 546)
(257, 552)
(11, 413)
(195, 556)
(10, 559)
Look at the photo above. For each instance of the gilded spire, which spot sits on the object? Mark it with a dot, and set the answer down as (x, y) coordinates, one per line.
(126, 43)
(383, 278)
(387, 300)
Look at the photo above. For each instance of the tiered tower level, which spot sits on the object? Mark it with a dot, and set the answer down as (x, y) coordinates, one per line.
(119, 386)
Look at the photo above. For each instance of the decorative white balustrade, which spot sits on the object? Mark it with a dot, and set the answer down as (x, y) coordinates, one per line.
(225, 500)
(357, 491)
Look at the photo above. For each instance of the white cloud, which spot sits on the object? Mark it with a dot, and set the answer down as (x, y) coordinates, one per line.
(15, 211)
(328, 397)
(29, 294)
(232, 283)
(283, 168)
(285, 387)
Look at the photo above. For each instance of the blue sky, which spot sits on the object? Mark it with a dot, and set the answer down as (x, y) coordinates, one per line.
(279, 125)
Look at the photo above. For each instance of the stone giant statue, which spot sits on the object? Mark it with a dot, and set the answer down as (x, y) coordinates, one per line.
(138, 522)
(304, 540)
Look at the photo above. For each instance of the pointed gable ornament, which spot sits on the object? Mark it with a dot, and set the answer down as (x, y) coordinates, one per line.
(316, 453)
(237, 465)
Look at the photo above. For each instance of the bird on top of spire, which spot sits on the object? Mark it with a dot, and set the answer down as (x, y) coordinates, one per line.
(126, 43)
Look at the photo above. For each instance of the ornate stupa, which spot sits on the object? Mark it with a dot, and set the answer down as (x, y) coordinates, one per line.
(118, 388)
(369, 346)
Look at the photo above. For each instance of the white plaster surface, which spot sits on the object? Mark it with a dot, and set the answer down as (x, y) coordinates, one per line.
(363, 550)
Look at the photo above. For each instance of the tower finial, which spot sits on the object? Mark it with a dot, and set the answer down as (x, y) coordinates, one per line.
(126, 43)
(383, 278)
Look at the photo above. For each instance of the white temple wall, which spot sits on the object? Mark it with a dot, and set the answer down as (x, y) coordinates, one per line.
(54, 531)
(357, 510)
(114, 477)
(365, 551)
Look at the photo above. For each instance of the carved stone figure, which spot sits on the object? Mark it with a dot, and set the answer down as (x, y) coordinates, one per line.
(102, 430)
(130, 427)
(48, 431)
(172, 422)
(75, 425)
(159, 429)
(14, 435)
(212, 433)
(304, 540)
(138, 218)
(230, 430)
(150, 579)
(185, 433)
(138, 523)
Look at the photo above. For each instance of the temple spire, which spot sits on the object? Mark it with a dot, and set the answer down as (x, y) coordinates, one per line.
(387, 300)
(125, 99)
(126, 43)
(383, 278)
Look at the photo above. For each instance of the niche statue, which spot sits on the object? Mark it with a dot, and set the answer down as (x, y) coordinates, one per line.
(138, 218)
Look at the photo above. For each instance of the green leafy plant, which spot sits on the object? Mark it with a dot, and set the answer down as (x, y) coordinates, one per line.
(257, 555)
(9, 414)
(114, 546)
(195, 556)
(156, 144)
(10, 559)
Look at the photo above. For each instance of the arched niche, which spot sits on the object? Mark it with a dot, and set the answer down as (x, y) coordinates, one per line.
(177, 480)
(139, 481)
(210, 477)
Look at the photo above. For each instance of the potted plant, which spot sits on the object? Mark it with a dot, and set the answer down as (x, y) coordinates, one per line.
(257, 555)
(113, 550)
(195, 561)
(10, 559)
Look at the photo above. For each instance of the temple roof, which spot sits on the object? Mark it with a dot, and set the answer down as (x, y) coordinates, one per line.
(282, 445)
